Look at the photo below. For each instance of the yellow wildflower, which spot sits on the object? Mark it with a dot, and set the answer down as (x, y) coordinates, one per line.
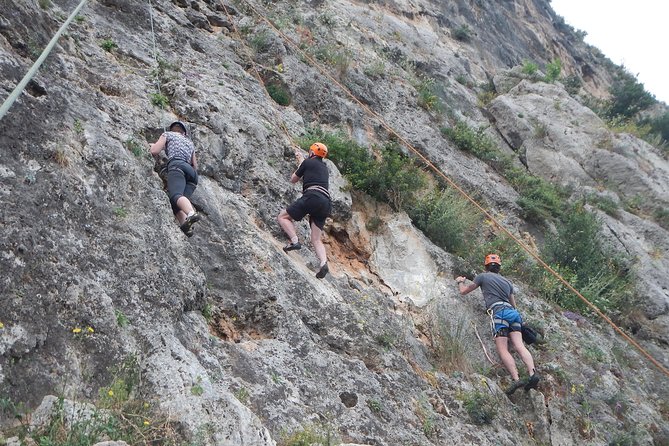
(90, 330)
(146, 422)
(76, 330)
(2, 325)
(573, 389)
(110, 393)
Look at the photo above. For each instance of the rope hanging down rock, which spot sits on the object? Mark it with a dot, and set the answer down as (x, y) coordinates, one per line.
(33, 70)
(161, 120)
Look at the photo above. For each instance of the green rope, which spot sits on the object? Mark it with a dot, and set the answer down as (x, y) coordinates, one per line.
(33, 70)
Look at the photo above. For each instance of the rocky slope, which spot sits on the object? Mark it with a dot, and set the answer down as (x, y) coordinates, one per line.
(235, 342)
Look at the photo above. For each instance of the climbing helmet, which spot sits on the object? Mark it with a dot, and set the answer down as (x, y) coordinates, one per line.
(492, 258)
(180, 124)
(319, 149)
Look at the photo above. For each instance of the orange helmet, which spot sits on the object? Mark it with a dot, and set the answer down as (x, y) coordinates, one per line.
(492, 258)
(319, 149)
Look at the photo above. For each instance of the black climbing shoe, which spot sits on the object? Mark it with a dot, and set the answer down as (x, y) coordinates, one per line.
(292, 247)
(515, 386)
(532, 382)
(195, 217)
(186, 226)
(323, 271)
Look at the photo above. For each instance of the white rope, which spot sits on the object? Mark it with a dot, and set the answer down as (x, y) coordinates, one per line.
(155, 48)
(155, 59)
(33, 70)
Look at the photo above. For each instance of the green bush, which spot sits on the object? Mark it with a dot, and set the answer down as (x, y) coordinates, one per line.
(395, 178)
(579, 252)
(605, 204)
(480, 406)
(310, 436)
(260, 42)
(488, 92)
(338, 58)
(278, 93)
(164, 72)
(539, 198)
(444, 216)
(135, 147)
(373, 224)
(628, 96)
(660, 126)
(463, 80)
(427, 96)
(471, 140)
(553, 70)
(462, 33)
(159, 100)
(572, 84)
(108, 45)
(529, 68)
(376, 69)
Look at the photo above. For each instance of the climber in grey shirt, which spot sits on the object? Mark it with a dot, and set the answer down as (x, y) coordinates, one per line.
(506, 320)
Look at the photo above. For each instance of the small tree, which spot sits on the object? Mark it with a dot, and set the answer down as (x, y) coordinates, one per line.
(553, 71)
(463, 33)
(628, 96)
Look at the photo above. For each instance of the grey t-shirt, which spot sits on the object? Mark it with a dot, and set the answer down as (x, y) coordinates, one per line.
(495, 288)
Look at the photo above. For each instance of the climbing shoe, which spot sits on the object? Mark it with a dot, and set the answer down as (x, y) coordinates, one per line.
(323, 271)
(186, 226)
(532, 382)
(515, 386)
(292, 247)
(192, 218)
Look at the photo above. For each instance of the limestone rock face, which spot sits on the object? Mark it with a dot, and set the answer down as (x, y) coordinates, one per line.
(401, 257)
(567, 143)
(229, 338)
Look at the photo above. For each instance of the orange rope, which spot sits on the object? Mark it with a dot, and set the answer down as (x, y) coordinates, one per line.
(459, 189)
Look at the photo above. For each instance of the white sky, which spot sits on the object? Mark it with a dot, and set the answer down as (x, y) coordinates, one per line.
(630, 33)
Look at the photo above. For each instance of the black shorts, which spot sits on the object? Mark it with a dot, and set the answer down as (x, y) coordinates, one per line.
(314, 203)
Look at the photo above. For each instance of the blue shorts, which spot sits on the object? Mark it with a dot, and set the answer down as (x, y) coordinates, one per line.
(505, 320)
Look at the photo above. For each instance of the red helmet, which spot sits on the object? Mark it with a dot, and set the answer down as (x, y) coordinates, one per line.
(492, 258)
(319, 149)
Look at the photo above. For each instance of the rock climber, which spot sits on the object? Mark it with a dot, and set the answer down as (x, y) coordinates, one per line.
(315, 201)
(506, 320)
(181, 173)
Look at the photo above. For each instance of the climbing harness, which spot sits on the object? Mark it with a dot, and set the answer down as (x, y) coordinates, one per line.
(451, 183)
(33, 70)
